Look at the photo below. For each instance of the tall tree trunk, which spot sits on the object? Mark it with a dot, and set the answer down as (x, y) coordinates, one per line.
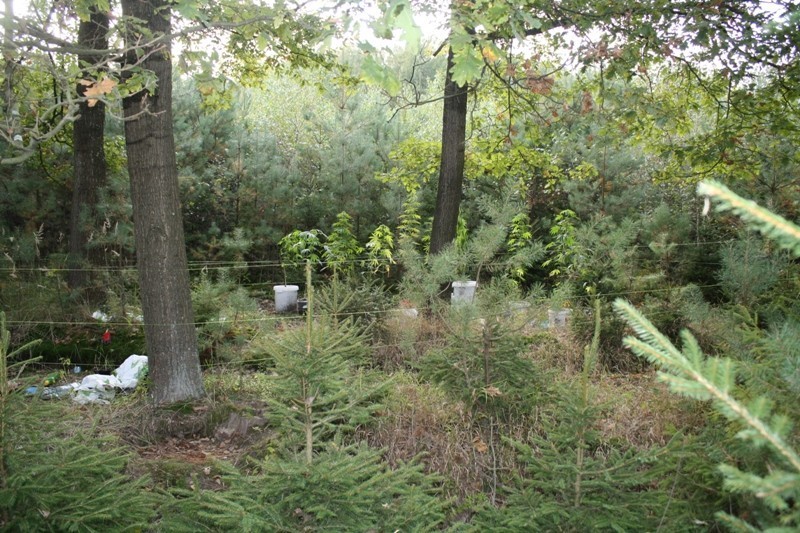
(9, 53)
(170, 334)
(89, 162)
(451, 171)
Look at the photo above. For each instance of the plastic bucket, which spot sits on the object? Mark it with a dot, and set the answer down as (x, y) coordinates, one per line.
(286, 298)
(463, 291)
(558, 319)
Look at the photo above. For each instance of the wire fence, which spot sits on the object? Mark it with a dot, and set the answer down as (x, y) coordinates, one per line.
(275, 264)
(267, 274)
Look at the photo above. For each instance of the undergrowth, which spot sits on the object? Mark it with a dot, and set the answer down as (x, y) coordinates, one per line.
(362, 416)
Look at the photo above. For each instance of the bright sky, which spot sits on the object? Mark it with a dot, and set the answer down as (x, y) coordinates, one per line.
(431, 27)
(20, 7)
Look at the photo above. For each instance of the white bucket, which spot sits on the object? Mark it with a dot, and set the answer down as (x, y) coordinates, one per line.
(286, 298)
(463, 292)
(558, 319)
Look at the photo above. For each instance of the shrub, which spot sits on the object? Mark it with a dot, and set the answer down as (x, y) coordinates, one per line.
(775, 484)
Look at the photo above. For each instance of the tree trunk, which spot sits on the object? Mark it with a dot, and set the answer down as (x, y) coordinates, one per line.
(9, 55)
(451, 171)
(89, 162)
(170, 333)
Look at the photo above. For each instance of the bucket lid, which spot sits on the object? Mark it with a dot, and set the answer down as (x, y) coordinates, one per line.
(286, 288)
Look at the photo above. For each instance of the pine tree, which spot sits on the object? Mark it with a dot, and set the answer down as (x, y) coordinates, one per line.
(344, 489)
(314, 482)
(483, 361)
(55, 479)
(577, 482)
(318, 390)
(689, 372)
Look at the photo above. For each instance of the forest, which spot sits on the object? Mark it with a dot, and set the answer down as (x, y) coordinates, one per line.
(403, 265)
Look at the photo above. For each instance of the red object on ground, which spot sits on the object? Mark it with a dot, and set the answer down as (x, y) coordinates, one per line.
(106, 338)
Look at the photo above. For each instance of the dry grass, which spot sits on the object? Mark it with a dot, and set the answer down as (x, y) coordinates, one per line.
(637, 409)
(403, 339)
(641, 411)
(556, 350)
(421, 421)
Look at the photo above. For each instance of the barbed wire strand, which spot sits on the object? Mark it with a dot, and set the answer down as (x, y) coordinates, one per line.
(195, 266)
(277, 318)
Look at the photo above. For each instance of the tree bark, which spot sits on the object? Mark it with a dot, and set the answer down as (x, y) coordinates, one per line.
(9, 63)
(170, 334)
(89, 160)
(451, 171)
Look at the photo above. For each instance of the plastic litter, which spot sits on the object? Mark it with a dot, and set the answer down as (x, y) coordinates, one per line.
(131, 371)
(51, 393)
(101, 388)
(51, 379)
(101, 316)
(97, 388)
(57, 392)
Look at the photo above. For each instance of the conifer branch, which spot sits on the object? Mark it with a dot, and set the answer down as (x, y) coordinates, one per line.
(773, 226)
(690, 376)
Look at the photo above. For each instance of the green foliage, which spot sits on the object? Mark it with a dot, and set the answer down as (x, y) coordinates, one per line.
(7, 353)
(415, 164)
(300, 248)
(315, 382)
(689, 372)
(521, 251)
(380, 248)
(462, 233)
(362, 300)
(318, 390)
(350, 489)
(484, 255)
(748, 272)
(342, 248)
(319, 393)
(484, 361)
(410, 224)
(668, 233)
(575, 481)
(561, 247)
(71, 484)
(588, 484)
(344, 489)
(785, 233)
(52, 477)
(223, 311)
(604, 256)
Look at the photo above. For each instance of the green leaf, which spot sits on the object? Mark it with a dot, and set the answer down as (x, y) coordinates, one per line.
(467, 65)
(188, 10)
(532, 21)
(404, 19)
(377, 74)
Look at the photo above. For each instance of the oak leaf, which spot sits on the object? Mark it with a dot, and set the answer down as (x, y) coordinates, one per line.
(96, 89)
(479, 445)
(492, 391)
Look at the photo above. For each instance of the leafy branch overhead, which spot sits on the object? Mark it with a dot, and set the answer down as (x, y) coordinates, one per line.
(34, 112)
(741, 36)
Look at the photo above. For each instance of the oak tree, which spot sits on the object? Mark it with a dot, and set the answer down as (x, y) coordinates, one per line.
(160, 248)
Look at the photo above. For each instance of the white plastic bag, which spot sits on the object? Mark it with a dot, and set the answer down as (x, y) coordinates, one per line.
(101, 388)
(131, 371)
